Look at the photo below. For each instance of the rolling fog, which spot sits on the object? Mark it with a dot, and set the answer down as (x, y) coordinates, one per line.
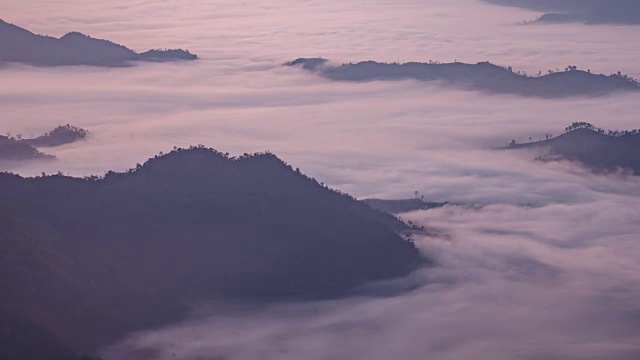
(546, 270)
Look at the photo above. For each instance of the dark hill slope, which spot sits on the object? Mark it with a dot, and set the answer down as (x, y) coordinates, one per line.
(402, 205)
(22, 340)
(594, 149)
(558, 18)
(48, 288)
(61, 135)
(589, 11)
(482, 76)
(192, 223)
(22, 46)
(14, 150)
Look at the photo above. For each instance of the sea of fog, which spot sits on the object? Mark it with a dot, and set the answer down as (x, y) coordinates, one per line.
(546, 269)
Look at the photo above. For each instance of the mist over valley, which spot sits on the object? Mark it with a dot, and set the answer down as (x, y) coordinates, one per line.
(425, 183)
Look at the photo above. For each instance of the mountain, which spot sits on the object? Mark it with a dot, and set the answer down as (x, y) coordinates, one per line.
(625, 12)
(482, 76)
(92, 259)
(21, 149)
(61, 135)
(402, 205)
(22, 46)
(22, 340)
(49, 288)
(14, 150)
(558, 18)
(596, 148)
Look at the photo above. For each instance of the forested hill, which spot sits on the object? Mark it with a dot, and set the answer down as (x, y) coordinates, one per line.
(91, 259)
(596, 148)
(589, 11)
(12, 149)
(22, 46)
(482, 76)
(18, 149)
(22, 340)
(61, 135)
(402, 205)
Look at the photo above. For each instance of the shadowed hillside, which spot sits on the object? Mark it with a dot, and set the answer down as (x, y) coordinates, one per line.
(51, 288)
(596, 148)
(558, 18)
(401, 206)
(17, 148)
(91, 259)
(22, 340)
(61, 135)
(21, 46)
(14, 150)
(588, 11)
(482, 76)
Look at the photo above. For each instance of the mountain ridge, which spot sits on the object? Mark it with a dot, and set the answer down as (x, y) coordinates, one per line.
(193, 223)
(597, 149)
(483, 76)
(18, 45)
(623, 12)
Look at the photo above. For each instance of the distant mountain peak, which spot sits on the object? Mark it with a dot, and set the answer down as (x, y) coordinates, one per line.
(482, 76)
(191, 224)
(74, 34)
(18, 148)
(74, 48)
(596, 148)
(200, 162)
(625, 12)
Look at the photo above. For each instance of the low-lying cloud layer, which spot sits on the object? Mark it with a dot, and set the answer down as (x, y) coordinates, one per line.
(238, 98)
(547, 271)
(553, 282)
